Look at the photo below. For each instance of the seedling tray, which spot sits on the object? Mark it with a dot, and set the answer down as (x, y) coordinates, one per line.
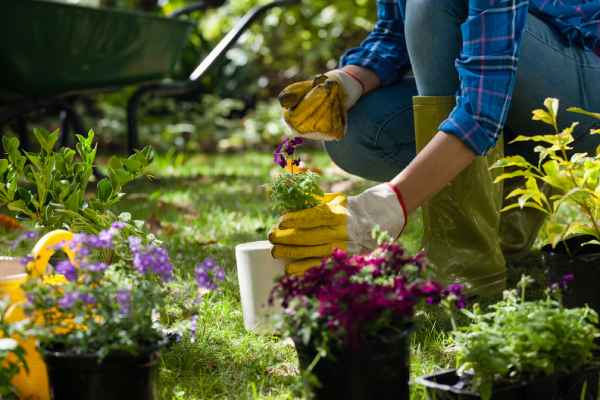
(447, 385)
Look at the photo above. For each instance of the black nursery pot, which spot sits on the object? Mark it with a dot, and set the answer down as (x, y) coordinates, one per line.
(378, 369)
(583, 262)
(119, 376)
(583, 385)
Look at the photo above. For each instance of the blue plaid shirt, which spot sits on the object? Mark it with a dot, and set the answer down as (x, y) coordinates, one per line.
(488, 61)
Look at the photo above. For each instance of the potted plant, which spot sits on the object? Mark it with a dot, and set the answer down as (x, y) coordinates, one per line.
(103, 310)
(351, 318)
(522, 349)
(573, 207)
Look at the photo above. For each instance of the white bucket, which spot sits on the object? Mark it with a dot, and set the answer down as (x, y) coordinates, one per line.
(257, 271)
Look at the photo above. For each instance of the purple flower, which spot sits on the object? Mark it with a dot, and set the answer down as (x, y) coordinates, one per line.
(153, 258)
(566, 280)
(68, 300)
(87, 298)
(67, 269)
(432, 291)
(286, 147)
(135, 243)
(455, 289)
(455, 293)
(118, 225)
(25, 236)
(94, 267)
(207, 272)
(26, 260)
(123, 298)
(209, 263)
(279, 159)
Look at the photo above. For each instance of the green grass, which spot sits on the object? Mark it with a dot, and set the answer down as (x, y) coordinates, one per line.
(204, 206)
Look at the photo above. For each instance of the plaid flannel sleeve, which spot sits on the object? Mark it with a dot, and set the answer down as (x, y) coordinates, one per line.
(384, 50)
(487, 68)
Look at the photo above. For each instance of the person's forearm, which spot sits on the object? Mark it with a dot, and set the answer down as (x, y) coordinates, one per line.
(368, 78)
(433, 168)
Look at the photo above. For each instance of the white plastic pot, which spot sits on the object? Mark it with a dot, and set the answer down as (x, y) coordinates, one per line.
(257, 271)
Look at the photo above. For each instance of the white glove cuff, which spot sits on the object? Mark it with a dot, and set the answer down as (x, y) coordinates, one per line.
(352, 88)
(380, 205)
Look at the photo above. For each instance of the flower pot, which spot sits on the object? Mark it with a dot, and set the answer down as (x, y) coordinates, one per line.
(257, 271)
(583, 262)
(377, 369)
(119, 376)
(581, 385)
(35, 383)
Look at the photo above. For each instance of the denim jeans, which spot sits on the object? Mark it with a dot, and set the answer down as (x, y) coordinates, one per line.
(379, 141)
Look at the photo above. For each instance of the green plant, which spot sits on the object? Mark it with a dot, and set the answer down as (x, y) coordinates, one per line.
(12, 354)
(293, 192)
(296, 188)
(573, 179)
(50, 187)
(520, 340)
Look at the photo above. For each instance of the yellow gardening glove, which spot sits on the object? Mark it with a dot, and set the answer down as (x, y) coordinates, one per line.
(302, 238)
(317, 109)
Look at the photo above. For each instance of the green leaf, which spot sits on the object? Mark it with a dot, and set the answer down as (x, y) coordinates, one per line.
(47, 140)
(20, 207)
(509, 175)
(104, 190)
(583, 112)
(512, 161)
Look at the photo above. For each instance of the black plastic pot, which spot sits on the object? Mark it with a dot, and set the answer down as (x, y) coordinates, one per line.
(379, 369)
(119, 376)
(583, 262)
(447, 385)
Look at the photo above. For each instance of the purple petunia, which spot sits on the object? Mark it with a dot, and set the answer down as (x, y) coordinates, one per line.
(67, 269)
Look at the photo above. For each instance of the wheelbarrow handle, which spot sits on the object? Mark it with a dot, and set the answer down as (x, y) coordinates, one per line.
(199, 6)
(232, 36)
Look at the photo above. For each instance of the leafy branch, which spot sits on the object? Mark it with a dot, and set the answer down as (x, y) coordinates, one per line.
(49, 187)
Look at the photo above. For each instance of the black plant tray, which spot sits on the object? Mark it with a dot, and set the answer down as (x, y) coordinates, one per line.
(447, 385)
(583, 262)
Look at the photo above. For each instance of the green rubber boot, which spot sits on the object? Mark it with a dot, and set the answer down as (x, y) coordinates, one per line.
(461, 223)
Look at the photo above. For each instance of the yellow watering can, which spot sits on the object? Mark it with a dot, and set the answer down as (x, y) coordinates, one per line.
(32, 385)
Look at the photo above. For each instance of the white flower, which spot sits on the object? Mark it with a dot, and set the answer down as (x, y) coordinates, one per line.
(7, 344)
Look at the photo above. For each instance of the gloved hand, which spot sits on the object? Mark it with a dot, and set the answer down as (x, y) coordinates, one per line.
(318, 109)
(304, 237)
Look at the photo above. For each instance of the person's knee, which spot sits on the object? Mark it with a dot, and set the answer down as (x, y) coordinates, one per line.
(379, 139)
(350, 152)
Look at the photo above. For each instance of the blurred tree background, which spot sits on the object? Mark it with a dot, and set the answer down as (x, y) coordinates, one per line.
(238, 108)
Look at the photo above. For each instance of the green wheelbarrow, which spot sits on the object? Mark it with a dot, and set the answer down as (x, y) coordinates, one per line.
(66, 51)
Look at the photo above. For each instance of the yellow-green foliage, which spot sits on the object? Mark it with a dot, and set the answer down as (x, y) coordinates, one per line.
(573, 177)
